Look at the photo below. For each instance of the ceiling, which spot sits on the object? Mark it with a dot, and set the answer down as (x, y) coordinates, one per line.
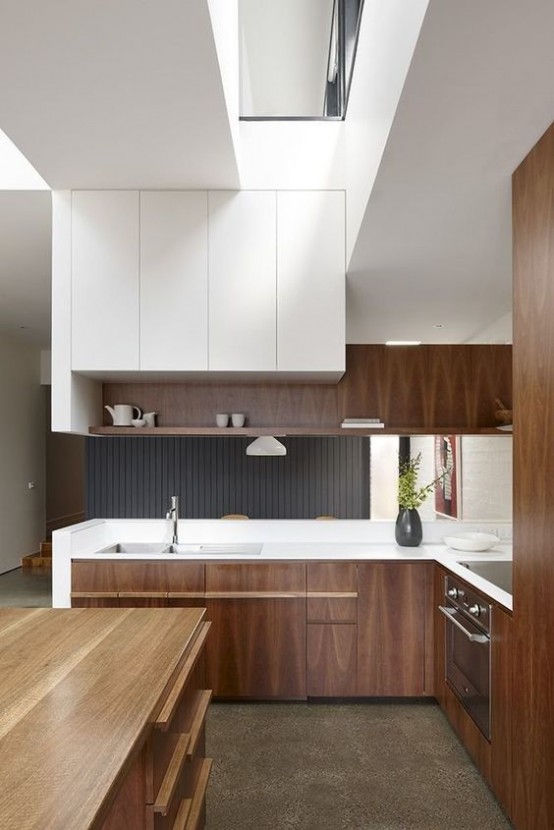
(130, 95)
(435, 242)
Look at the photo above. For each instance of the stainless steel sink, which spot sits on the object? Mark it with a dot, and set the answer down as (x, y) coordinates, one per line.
(136, 547)
(155, 549)
(499, 573)
(218, 550)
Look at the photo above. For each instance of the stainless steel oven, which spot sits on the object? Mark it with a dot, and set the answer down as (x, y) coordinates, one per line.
(468, 650)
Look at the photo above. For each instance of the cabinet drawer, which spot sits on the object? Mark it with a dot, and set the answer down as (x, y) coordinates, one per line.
(332, 607)
(277, 577)
(176, 746)
(332, 576)
(137, 576)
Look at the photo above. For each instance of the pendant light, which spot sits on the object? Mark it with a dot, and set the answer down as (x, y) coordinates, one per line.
(266, 445)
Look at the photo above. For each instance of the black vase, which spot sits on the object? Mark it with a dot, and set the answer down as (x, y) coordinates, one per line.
(408, 531)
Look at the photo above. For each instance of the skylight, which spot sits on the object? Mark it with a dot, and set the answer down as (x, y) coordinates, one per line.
(297, 57)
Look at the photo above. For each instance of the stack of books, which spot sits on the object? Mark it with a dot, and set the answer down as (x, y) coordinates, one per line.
(362, 423)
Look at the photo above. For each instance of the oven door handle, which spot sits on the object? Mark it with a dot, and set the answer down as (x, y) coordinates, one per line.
(474, 638)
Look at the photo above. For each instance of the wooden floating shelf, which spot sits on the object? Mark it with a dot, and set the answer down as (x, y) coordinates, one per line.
(280, 431)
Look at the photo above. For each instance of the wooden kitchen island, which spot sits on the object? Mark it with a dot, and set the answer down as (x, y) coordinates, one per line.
(102, 719)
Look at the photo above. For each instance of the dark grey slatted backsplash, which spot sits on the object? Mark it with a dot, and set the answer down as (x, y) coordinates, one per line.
(135, 478)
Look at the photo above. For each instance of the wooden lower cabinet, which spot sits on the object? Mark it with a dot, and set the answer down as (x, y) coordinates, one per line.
(290, 630)
(493, 758)
(131, 583)
(501, 707)
(393, 629)
(258, 642)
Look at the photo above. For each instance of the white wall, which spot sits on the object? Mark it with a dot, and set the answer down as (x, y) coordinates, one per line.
(388, 36)
(284, 52)
(22, 453)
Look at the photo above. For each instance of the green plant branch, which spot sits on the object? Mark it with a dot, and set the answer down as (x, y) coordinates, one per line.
(410, 495)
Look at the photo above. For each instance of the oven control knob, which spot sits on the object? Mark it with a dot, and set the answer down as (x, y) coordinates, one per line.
(475, 610)
(455, 593)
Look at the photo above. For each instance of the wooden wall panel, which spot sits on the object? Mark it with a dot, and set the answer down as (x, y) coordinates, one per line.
(196, 404)
(426, 386)
(420, 386)
(533, 620)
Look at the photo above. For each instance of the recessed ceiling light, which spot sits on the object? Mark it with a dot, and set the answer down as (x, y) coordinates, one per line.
(403, 343)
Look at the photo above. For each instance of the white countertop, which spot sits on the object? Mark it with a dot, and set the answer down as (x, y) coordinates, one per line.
(289, 540)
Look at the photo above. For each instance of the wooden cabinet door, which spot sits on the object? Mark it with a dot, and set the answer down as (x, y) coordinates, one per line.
(257, 648)
(311, 281)
(105, 280)
(392, 600)
(173, 280)
(242, 280)
(501, 707)
(331, 660)
(257, 645)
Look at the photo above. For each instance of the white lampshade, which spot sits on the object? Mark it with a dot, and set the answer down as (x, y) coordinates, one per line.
(266, 445)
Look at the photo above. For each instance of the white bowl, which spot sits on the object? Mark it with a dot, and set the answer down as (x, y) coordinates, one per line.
(472, 541)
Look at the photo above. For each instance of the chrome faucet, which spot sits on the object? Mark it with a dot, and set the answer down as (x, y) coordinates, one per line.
(173, 513)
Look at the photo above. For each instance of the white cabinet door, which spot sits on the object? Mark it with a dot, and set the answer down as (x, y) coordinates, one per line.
(242, 293)
(311, 281)
(173, 280)
(105, 280)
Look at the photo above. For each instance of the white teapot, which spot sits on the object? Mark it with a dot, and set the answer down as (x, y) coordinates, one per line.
(123, 414)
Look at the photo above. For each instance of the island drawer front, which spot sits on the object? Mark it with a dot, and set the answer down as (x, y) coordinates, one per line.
(176, 747)
(332, 608)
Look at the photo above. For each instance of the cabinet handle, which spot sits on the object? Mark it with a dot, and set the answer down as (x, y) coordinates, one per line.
(168, 709)
(198, 720)
(332, 594)
(255, 594)
(172, 775)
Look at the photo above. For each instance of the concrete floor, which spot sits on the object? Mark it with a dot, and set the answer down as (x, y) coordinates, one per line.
(26, 588)
(325, 766)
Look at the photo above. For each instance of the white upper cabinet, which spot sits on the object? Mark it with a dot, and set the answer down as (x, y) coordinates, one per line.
(173, 280)
(242, 281)
(105, 280)
(311, 281)
(219, 281)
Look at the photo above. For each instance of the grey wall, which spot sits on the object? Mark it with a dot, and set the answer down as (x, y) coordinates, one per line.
(135, 477)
